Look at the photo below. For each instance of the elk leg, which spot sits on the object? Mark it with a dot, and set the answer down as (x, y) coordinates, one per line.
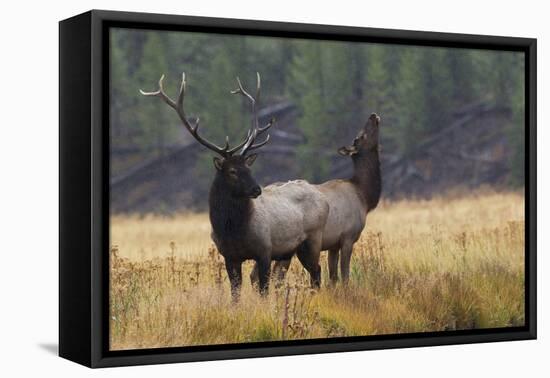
(264, 268)
(347, 248)
(254, 276)
(333, 255)
(308, 254)
(279, 270)
(235, 277)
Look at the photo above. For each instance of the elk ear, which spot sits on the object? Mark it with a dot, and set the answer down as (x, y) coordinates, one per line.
(249, 160)
(347, 150)
(218, 163)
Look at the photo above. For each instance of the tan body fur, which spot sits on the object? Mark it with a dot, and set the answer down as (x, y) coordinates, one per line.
(349, 201)
(281, 219)
(344, 225)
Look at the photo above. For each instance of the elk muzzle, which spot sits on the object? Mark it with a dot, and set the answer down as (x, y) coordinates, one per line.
(255, 192)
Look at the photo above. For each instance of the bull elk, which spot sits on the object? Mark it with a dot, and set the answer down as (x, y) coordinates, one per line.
(251, 223)
(350, 201)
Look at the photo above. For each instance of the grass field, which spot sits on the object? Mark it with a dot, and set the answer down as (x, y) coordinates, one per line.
(449, 263)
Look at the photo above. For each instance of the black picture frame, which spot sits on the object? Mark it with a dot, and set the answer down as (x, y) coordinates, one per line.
(84, 189)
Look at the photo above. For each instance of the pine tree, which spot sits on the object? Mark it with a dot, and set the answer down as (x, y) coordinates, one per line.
(339, 69)
(436, 89)
(412, 106)
(378, 87)
(156, 122)
(120, 86)
(308, 91)
(465, 74)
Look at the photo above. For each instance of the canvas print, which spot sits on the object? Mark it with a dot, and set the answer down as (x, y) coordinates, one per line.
(275, 189)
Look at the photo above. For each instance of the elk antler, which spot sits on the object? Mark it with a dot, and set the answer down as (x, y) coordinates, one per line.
(255, 130)
(194, 129)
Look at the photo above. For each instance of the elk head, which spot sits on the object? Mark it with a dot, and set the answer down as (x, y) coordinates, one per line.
(366, 140)
(232, 164)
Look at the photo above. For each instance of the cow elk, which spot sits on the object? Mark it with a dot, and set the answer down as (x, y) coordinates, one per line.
(350, 201)
(251, 223)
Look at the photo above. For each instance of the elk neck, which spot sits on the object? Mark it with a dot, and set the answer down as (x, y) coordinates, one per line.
(229, 215)
(367, 176)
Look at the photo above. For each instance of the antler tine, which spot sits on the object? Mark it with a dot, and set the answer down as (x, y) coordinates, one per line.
(260, 131)
(249, 141)
(266, 127)
(258, 145)
(258, 87)
(256, 129)
(253, 101)
(160, 93)
(178, 107)
(240, 145)
(181, 94)
(241, 90)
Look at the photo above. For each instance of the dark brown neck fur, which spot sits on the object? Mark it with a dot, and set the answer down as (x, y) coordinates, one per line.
(229, 216)
(367, 176)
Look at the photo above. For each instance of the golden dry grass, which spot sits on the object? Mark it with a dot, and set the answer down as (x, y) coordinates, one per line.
(442, 264)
